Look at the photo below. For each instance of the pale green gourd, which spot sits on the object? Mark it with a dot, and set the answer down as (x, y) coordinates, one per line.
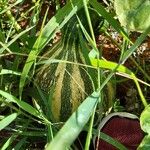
(133, 14)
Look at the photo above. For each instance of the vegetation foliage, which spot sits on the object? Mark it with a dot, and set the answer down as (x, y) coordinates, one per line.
(28, 30)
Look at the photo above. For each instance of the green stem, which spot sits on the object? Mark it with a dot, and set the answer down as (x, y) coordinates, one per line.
(88, 139)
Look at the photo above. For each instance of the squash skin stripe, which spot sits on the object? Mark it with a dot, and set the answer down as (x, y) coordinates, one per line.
(56, 100)
(78, 94)
(66, 96)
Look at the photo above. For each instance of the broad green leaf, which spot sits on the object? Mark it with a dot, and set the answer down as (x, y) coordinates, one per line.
(7, 120)
(70, 131)
(133, 14)
(145, 120)
(145, 144)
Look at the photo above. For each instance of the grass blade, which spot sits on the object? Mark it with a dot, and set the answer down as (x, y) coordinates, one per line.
(9, 142)
(137, 43)
(6, 71)
(20, 144)
(7, 120)
(110, 140)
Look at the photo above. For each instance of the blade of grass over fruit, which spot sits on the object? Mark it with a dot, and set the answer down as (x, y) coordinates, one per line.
(89, 20)
(93, 44)
(7, 120)
(46, 35)
(31, 58)
(89, 135)
(100, 9)
(137, 43)
(25, 106)
(87, 60)
(89, 39)
(121, 69)
(94, 50)
(69, 132)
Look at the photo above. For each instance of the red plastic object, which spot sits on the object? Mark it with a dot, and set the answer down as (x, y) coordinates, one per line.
(125, 130)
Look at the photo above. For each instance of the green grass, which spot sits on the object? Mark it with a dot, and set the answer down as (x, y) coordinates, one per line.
(21, 117)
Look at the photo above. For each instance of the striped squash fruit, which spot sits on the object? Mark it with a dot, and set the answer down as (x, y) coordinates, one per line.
(66, 84)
